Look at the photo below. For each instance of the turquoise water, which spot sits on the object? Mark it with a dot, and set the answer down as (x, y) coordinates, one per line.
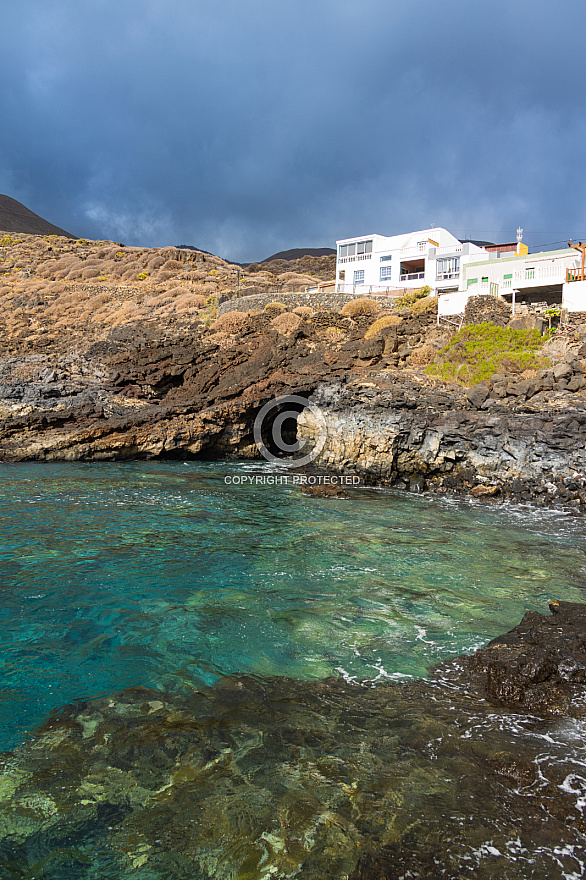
(160, 574)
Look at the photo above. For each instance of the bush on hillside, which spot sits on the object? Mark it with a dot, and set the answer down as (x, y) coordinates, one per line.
(477, 351)
(424, 305)
(334, 334)
(364, 305)
(231, 322)
(409, 299)
(303, 311)
(286, 322)
(378, 326)
(275, 308)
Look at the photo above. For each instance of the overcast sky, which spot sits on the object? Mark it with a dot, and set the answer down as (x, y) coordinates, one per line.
(248, 126)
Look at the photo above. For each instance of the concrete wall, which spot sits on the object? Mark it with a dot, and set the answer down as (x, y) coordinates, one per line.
(324, 300)
(574, 296)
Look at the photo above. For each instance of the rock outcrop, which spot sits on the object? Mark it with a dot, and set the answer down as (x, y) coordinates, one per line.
(391, 431)
(539, 666)
(110, 352)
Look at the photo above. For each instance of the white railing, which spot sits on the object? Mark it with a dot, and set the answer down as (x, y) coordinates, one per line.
(364, 289)
(447, 276)
(414, 251)
(354, 258)
(450, 249)
(544, 274)
(412, 276)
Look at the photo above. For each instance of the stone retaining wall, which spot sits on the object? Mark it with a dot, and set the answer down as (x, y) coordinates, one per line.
(325, 300)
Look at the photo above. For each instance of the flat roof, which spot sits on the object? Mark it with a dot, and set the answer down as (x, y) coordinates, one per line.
(568, 252)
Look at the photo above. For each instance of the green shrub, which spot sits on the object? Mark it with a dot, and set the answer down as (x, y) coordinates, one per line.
(409, 298)
(478, 351)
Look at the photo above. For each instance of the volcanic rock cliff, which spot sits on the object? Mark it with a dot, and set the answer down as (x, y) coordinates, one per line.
(110, 352)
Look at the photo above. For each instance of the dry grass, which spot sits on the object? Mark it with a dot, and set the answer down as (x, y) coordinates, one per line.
(231, 322)
(379, 326)
(286, 322)
(423, 355)
(425, 305)
(361, 306)
(275, 308)
(304, 311)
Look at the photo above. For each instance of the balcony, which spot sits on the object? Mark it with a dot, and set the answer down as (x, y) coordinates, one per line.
(413, 276)
(449, 250)
(447, 276)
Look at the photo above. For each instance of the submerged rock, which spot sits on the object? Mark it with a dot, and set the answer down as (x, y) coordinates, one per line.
(329, 779)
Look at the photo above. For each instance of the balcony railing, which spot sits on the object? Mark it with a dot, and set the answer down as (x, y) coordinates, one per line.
(450, 249)
(413, 276)
(549, 274)
(447, 276)
(354, 258)
(575, 275)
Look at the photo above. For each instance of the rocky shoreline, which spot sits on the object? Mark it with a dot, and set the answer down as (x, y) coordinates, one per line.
(417, 438)
(474, 772)
(136, 370)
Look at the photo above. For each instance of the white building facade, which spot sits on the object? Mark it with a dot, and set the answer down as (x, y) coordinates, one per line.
(377, 263)
(456, 270)
(545, 278)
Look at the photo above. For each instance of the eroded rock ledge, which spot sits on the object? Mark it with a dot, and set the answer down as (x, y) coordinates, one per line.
(410, 435)
(152, 392)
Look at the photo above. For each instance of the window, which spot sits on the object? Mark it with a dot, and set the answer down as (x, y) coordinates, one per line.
(421, 245)
(342, 275)
(485, 281)
(448, 268)
(386, 273)
(359, 276)
(508, 280)
(472, 282)
(357, 250)
(530, 274)
(386, 258)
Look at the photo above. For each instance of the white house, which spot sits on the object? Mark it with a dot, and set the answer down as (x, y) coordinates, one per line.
(550, 277)
(377, 263)
(456, 270)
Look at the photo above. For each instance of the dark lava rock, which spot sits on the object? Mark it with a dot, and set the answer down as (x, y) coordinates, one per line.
(323, 491)
(485, 491)
(540, 665)
(477, 395)
(417, 484)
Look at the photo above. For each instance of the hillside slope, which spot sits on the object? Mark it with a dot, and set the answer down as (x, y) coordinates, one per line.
(15, 217)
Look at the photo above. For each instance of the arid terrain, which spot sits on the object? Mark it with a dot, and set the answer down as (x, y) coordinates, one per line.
(108, 351)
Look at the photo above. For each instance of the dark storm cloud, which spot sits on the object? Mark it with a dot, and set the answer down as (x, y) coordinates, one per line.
(245, 127)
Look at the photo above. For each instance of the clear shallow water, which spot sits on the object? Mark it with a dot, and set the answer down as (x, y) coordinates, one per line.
(159, 574)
